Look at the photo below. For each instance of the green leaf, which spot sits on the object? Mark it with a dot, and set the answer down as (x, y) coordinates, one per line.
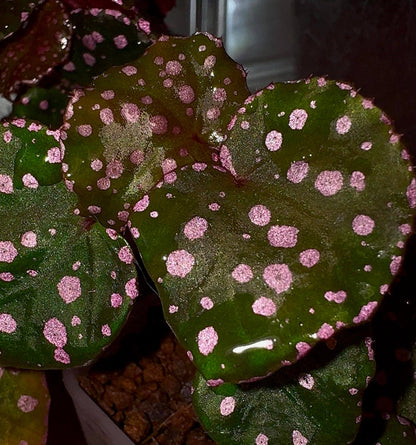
(253, 269)
(102, 38)
(14, 15)
(43, 105)
(138, 123)
(64, 288)
(43, 45)
(24, 407)
(398, 432)
(317, 407)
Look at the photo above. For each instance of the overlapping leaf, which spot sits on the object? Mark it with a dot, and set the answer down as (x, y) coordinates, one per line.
(15, 14)
(44, 45)
(263, 265)
(317, 407)
(65, 289)
(296, 235)
(24, 407)
(102, 38)
(46, 105)
(140, 122)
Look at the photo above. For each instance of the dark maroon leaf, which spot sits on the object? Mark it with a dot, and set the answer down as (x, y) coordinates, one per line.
(45, 44)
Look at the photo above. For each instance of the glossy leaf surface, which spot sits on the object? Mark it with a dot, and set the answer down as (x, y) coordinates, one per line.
(24, 407)
(316, 407)
(65, 290)
(44, 105)
(44, 45)
(260, 267)
(142, 121)
(14, 15)
(102, 38)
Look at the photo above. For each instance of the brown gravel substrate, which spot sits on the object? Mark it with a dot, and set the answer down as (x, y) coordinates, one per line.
(150, 399)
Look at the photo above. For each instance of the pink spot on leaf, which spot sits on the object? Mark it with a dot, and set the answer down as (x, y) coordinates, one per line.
(206, 303)
(283, 236)
(329, 182)
(357, 181)
(297, 119)
(27, 403)
(298, 171)
(173, 68)
(264, 306)
(186, 94)
(116, 300)
(125, 255)
(195, 228)
(142, 204)
(259, 215)
(30, 181)
(325, 331)
(120, 41)
(106, 330)
(106, 116)
(55, 332)
(302, 348)
(365, 312)
(207, 340)
(54, 155)
(158, 124)
(6, 184)
(179, 263)
(343, 125)
(307, 381)
(366, 146)
(227, 406)
(108, 94)
(69, 288)
(61, 356)
(130, 112)
(262, 439)
(278, 277)
(242, 273)
(7, 323)
(7, 252)
(274, 140)
(395, 264)
(131, 289)
(411, 194)
(362, 225)
(114, 169)
(29, 239)
(96, 165)
(84, 130)
(129, 70)
(337, 297)
(298, 438)
(309, 257)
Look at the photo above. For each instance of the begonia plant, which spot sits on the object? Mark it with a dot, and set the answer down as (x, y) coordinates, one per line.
(272, 225)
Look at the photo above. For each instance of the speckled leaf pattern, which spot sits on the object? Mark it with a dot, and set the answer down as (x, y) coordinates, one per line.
(45, 44)
(317, 407)
(15, 14)
(142, 121)
(24, 407)
(44, 105)
(65, 288)
(102, 38)
(261, 267)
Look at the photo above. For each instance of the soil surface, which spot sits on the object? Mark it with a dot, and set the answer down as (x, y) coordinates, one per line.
(146, 386)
